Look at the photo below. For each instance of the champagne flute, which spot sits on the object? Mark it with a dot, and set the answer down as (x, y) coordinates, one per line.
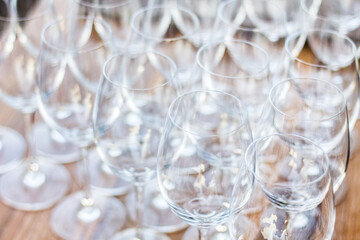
(292, 196)
(131, 104)
(70, 66)
(201, 155)
(31, 186)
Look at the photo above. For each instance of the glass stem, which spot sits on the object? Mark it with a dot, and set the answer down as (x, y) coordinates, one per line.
(33, 177)
(85, 172)
(203, 232)
(139, 191)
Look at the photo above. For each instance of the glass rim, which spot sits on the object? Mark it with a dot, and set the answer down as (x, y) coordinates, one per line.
(73, 50)
(343, 108)
(321, 17)
(153, 38)
(212, 44)
(299, 34)
(23, 19)
(111, 58)
(236, 27)
(121, 3)
(260, 179)
(182, 96)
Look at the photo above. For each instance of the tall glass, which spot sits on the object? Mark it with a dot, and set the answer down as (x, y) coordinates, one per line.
(201, 156)
(132, 100)
(292, 196)
(31, 186)
(70, 65)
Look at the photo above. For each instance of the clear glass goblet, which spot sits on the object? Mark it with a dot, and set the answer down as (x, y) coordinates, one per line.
(31, 186)
(70, 65)
(237, 67)
(201, 155)
(315, 109)
(174, 31)
(292, 196)
(134, 94)
(329, 56)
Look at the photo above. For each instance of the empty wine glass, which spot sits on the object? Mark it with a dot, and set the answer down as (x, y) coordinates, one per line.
(31, 186)
(200, 156)
(292, 196)
(315, 109)
(334, 15)
(117, 13)
(70, 65)
(134, 94)
(262, 22)
(237, 67)
(174, 31)
(330, 56)
(10, 156)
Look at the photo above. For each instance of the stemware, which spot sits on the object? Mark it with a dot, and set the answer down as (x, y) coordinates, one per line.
(330, 56)
(70, 66)
(200, 155)
(237, 67)
(10, 156)
(31, 186)
(315, 109)
(292, 195)
(334, 15)
(174, 31)
(265, 23)
(131, 104)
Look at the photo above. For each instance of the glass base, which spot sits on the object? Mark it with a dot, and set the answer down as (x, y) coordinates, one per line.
(12, 149)
(31, 191)
(71, 220)
(157, 214)
(148, 234)
(102, 180)
(53, 146)
(218, 233)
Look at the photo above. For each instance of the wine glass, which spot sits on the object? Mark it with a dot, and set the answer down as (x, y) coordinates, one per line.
(237, 67)
(200, 156)
(31, 186)
(330, 56)
(117, 13)
(10, 156)
(315, 109)
(130, 109)
(292, 196)
(265, 23)
(334, 15)
(174, 31)
(70, 66)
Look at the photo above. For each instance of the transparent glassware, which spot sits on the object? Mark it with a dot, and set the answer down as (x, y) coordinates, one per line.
(200, 156)
(132, 100)
(70, 65)
(334, 15)
(174, 31)
(31, 186)
(237, 67)
(292, 196)
(117, 13)
(329, 56)
(315, 109)
(265, 23)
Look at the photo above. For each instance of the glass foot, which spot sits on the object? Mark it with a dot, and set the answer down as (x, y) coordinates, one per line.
(71, 220)
(218, 233)
(12, 149)
(31, 191)
(157, 214)
(52, 145)
(148, 234)
(102, 180)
